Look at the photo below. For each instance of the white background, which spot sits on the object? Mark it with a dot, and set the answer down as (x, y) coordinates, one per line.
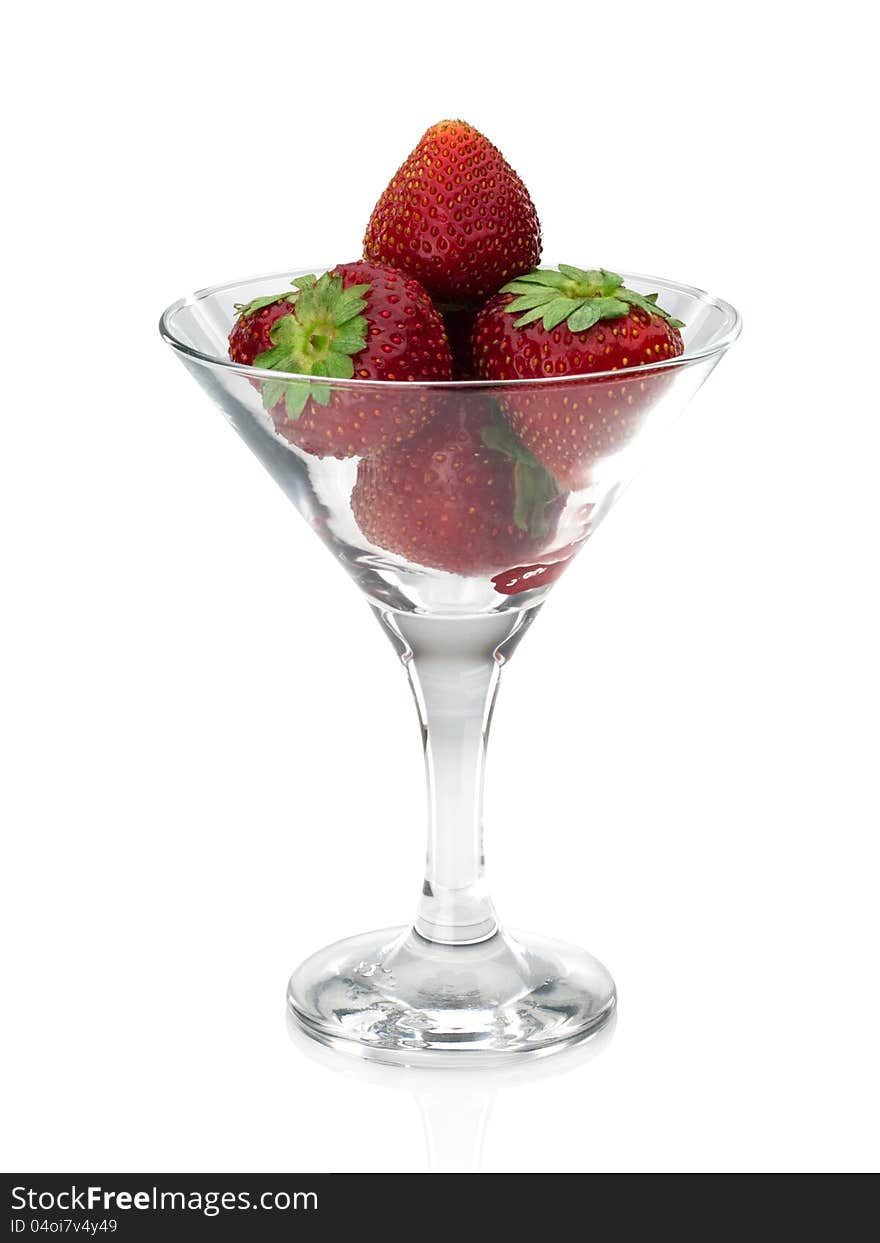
(212, 764)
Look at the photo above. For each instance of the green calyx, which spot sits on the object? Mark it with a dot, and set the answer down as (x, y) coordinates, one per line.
(581, 297)
(534, 487)
(324, 330)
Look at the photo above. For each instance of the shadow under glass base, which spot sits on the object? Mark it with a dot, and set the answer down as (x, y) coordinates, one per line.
(392, 996)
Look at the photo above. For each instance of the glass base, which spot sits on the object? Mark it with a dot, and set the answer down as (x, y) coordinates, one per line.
(392, 996)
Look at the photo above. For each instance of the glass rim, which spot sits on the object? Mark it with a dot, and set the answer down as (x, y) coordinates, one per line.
(717, 347)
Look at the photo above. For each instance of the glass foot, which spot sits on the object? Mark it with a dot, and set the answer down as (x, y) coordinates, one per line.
(392, 996)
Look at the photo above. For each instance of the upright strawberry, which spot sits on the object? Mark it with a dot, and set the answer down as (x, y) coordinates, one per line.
(456, 216)
(361, 321)
(462, 496)
(566, 323)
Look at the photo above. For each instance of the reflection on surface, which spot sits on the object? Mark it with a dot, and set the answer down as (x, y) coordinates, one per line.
(455, 1105)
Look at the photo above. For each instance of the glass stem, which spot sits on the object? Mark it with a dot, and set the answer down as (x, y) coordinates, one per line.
(453, 666)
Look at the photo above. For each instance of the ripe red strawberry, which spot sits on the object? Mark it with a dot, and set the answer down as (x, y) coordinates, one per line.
(566, 323)
(361, 321)
(462, 496)
(456, 216)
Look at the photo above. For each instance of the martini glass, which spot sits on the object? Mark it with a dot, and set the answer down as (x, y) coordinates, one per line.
(454, 988)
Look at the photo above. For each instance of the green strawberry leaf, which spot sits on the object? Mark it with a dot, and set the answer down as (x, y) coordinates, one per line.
(524, 496)
(580, 297)
(648, 304)
(610, 308)
(526, 287)
(350, 304)
(534, 487)
(598, 281)
(295, 398)
(580, 274)
(337, 366)
(247, 309)
(538, 276)
(525, 301)
(530, 316)
(585, 316)
(351, 336)
(293, 393)
(286, 332)
(272, 359)
(272, 391)
(555, 312)
(499, 437)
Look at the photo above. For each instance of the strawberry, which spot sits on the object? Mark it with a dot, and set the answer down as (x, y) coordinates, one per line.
(565, 323)
(462, 496)
(360, 321)
(456, 216)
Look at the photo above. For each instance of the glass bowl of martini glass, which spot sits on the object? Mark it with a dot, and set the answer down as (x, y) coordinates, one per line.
(455, 536)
